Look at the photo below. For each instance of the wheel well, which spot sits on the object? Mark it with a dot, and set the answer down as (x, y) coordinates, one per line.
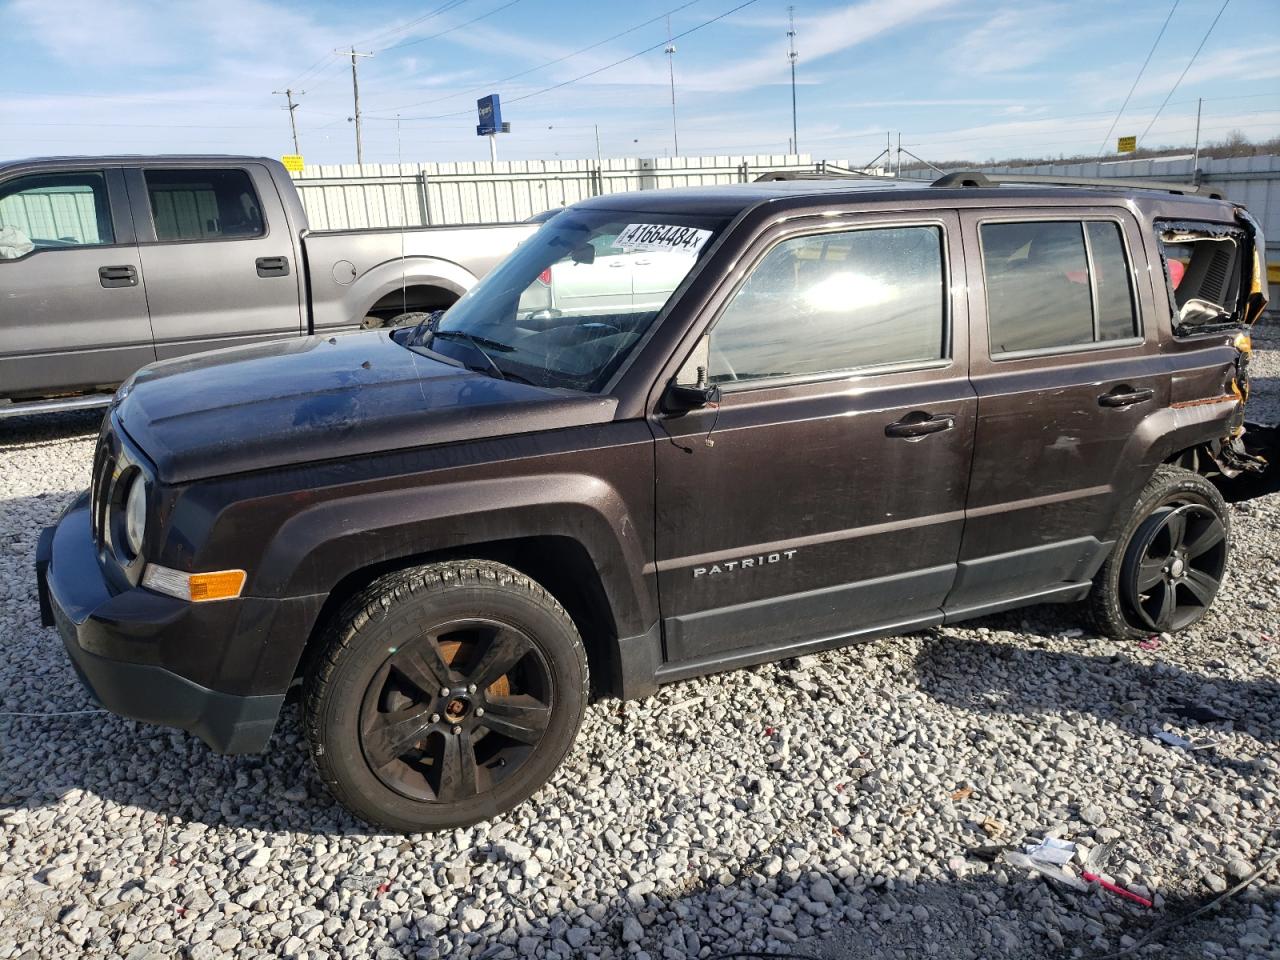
(560, 564)
(413, 298)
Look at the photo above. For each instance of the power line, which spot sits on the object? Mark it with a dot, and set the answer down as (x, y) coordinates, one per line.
(598, 70)
(442, 33)
(549, 63)
(1203, 41)
(1106, 139)
(392, 31)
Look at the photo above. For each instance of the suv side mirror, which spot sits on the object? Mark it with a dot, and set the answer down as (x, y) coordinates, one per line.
(681, 398)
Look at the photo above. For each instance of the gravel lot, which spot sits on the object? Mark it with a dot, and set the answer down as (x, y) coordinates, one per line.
(825, 807)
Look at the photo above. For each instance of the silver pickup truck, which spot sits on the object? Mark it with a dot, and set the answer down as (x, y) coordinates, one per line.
(110, 263)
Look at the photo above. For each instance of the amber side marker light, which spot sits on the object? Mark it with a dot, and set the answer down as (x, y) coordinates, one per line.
(195, 587)
(1243, 342)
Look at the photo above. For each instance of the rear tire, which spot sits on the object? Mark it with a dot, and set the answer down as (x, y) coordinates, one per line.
(444, 695)
(1167, 565)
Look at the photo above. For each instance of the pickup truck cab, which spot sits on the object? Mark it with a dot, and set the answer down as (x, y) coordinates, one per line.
(859, 408)
(110, 263)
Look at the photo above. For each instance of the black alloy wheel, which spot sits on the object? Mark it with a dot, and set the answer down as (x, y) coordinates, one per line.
(1174, 566)
(444, 694)
(455, 711)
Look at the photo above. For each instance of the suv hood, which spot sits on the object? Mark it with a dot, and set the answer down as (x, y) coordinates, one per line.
(320, 398)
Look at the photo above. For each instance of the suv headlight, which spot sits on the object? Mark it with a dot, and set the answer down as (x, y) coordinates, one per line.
(135, 515)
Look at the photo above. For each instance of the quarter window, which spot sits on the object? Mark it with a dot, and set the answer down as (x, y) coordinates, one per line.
(204, 205)
(53, 211)
(833, 302)
(1056, 284)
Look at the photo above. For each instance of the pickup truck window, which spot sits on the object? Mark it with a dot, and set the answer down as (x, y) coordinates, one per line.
(835, 301)
(50, 211)
(1056, 283)
(570, 304)
(204, 205)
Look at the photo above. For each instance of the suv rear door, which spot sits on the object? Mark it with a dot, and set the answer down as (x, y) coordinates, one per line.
(74, 315)
(218, 255)
(823, 497)
(1066, 364)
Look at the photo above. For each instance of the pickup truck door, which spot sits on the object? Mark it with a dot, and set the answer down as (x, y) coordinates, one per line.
(219, 259)
(73, 315)
(822, 498)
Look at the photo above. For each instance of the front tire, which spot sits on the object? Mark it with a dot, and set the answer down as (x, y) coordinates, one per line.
(1168, 562)
(444, 695)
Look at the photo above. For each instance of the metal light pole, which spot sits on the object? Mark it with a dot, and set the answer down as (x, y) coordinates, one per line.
(293, 123)
(1195, 160)
(355, 93)
(671, 72)
(791, 36)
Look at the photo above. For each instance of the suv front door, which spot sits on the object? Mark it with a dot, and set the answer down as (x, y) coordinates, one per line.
(218, 257)
(1065, 376)
(73, 315)
(823, 497)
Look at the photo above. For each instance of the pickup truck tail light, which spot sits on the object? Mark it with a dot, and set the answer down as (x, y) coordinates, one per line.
(544, 277)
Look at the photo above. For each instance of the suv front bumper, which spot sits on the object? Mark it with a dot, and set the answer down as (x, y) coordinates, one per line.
(116, 640)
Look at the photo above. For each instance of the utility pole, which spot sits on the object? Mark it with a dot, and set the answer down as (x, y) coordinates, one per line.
(791, 37)
(898, 171)
(1195, 160)
(293, 123)
(671, 71)
(355, 92)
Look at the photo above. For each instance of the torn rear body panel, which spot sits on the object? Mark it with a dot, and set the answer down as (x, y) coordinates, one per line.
(1215, 275)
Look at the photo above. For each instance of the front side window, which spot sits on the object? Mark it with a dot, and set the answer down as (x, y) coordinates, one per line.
(52, 211)
(832, 302)
(204, 205)
(572, 302)
(1059, 283)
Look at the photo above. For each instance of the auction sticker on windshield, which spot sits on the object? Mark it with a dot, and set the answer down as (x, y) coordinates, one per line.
(661, 236)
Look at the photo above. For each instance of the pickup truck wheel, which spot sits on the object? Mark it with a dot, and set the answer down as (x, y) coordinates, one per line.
(445, 694)
(1169, 560)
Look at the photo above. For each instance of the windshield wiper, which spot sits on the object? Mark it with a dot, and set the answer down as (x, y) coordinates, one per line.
(474, 342)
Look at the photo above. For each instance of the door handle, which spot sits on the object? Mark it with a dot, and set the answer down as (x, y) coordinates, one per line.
(272, 266)
(122, 276)
(1124, 397)
(919, 424)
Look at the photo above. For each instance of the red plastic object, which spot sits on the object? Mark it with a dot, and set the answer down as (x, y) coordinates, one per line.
(1117, 890)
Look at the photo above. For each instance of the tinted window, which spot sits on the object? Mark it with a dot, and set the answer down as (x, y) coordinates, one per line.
(1041, 292)
(835, 301)
(203, 204)
(49, 211)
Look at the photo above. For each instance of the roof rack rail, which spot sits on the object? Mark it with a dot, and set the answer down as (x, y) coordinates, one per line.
(976, 178)
(823, 170)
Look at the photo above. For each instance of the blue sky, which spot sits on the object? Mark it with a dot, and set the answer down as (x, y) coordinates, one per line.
(957, 80)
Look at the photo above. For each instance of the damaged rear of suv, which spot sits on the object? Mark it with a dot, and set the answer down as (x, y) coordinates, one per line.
(770, 419)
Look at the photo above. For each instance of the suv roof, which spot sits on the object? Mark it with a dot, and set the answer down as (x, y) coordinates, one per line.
(732, 199)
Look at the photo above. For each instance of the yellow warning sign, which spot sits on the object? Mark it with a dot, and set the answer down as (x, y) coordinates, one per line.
(1123, 145)
(292, 162)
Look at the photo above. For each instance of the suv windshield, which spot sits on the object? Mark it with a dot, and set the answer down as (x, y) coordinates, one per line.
(571, 303)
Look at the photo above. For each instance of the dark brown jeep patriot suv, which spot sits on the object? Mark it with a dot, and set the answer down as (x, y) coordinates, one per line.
(674, 432)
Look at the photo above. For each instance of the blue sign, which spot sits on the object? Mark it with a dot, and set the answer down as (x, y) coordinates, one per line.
(490, 110)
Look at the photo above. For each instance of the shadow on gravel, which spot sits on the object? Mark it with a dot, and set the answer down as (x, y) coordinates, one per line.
(1136, 697)
(48, 427)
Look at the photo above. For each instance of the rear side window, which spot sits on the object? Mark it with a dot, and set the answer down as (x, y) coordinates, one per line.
(1059, 283)
(836, 301)
(204, 205)
(1203, 265)
(52, 211)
